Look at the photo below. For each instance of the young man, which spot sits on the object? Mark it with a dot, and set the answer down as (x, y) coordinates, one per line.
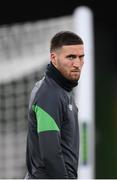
(53, 132)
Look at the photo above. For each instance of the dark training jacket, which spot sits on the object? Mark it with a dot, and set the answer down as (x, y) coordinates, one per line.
(53, 132)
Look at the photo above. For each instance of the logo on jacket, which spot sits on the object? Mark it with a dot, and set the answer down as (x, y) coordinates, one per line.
(70, 107)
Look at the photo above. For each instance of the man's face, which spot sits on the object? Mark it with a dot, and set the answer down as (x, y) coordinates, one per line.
(69, 61)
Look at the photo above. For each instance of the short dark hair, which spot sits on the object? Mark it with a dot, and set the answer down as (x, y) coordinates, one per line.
(63, 38)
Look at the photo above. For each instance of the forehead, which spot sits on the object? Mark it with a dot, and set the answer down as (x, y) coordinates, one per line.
(75, 49)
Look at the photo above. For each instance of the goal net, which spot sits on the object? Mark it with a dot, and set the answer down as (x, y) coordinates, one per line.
(24, 54)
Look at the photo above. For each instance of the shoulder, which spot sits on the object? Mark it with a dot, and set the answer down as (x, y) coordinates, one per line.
(50, 92)
(34, 91)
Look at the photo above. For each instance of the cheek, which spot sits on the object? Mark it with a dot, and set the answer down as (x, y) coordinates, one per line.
(65, 68)
(82, 63)
(66, 65)
(63, 63)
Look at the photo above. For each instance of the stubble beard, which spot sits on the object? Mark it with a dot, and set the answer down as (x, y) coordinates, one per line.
(70, 77)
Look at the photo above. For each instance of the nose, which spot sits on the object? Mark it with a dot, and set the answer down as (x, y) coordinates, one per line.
(76, 63)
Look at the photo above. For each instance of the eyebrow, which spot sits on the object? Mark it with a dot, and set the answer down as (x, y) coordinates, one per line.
(82, 55)
(73, 55)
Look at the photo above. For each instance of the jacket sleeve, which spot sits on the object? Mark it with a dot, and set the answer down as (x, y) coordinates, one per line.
(48, 111)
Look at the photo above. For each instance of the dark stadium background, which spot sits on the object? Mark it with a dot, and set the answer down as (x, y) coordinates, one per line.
(105, 38)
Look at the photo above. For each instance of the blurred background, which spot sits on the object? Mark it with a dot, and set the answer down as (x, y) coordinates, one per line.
(25, 31)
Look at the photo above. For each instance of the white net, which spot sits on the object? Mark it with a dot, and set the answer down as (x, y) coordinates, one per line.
(24, 54)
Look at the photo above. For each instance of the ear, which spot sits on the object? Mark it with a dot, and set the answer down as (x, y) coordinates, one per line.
(53, 58)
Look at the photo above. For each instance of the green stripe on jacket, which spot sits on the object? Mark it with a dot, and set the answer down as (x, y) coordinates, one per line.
(44, 121)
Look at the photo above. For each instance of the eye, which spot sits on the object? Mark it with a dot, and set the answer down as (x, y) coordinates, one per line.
(81, 57)
(71, 57)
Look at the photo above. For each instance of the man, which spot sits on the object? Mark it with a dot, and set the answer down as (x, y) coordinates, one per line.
(53, 133)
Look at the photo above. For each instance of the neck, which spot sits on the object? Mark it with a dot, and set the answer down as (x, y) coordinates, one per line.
(54, 73)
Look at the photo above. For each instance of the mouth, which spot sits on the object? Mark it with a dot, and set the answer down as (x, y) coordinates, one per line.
(76, 71)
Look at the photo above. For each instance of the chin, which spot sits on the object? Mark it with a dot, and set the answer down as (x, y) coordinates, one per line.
(72, 78)
(75, 78)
